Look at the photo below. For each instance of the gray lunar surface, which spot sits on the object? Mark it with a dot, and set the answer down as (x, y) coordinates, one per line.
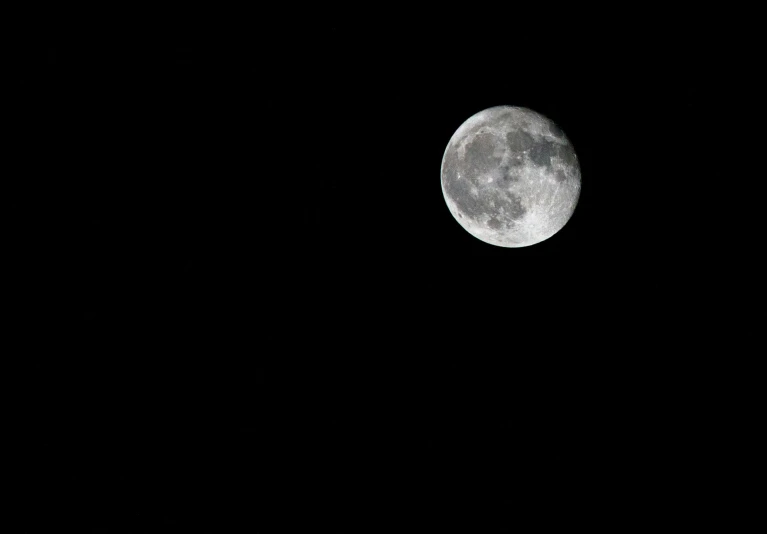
(510, 177)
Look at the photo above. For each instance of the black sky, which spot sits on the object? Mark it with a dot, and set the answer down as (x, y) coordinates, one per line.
(272, 318)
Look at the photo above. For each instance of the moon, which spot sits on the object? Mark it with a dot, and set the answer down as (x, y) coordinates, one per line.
(510, 177)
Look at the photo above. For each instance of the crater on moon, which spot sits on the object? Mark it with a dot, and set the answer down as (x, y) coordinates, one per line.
(510, 177)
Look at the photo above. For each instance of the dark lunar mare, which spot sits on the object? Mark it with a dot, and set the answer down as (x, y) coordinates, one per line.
(519, 141)
(514, 210)
(541, 152)
(513, 205)
(567, 155)
(494, 223)
(459, 190)
(479, 157)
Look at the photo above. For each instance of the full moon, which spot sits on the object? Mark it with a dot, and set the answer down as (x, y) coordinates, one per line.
(510, 177)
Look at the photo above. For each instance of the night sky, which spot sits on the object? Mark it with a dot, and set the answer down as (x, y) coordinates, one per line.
(272, 321)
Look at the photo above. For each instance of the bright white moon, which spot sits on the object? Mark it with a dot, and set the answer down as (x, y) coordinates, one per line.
(510, 177)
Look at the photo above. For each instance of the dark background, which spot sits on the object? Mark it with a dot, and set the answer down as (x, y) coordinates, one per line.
(269, 320)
